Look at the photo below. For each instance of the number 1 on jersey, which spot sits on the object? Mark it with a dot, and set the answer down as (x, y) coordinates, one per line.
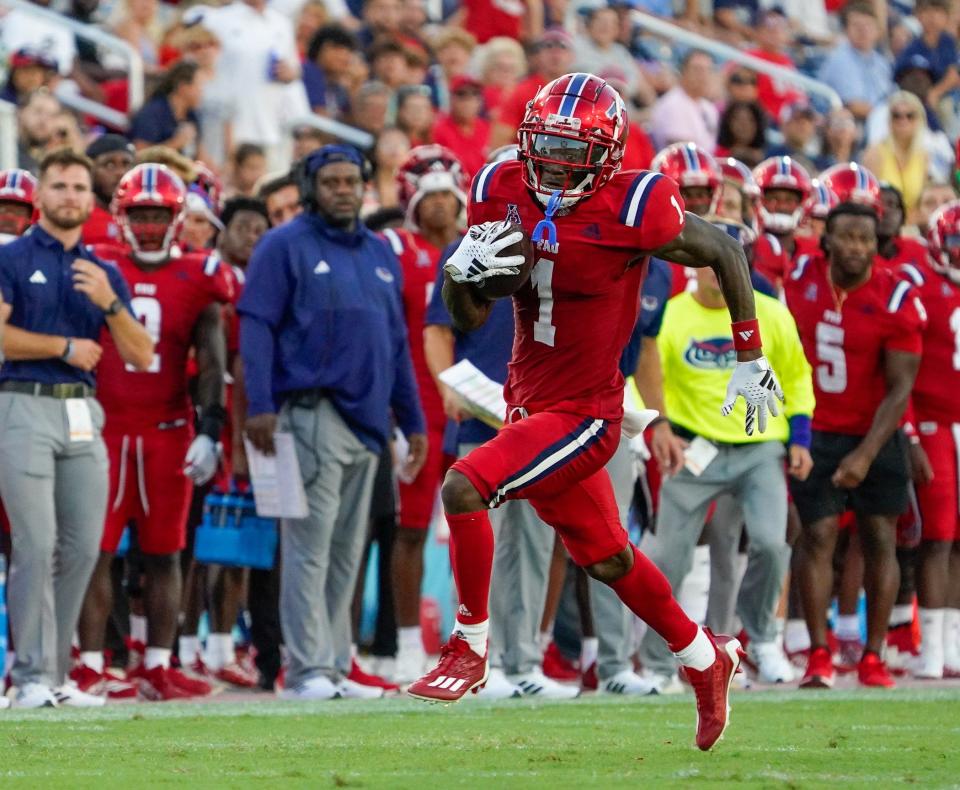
(542, 279)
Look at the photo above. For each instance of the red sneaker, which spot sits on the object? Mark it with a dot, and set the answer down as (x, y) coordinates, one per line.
(135, 652)
(89, 681)
(460, 670)
(557, 666)
(902, 648)
(589, 680)
(712, 689)
(872, 671)
(236, 675)
(357, 675)
(156, 685)
(198, 669)
(195, 686)
(820, 672)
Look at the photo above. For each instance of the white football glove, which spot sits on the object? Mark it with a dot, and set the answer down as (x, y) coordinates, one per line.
(758, 385)
(202, 459)
(477, 258)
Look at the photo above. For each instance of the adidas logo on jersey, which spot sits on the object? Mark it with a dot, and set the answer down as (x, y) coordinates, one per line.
(746, 334)
(322, 268)
(37, 278)
(592, 231)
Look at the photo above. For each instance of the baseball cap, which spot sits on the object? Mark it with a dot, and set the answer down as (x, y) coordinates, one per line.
(911, 62)
(108, 143)
(462, 81)
(25, 56)
(798, 109)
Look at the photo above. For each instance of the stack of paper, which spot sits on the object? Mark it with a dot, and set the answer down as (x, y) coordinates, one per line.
(482, 397)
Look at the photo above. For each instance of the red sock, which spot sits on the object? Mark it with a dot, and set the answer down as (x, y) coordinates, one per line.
(471, 554)
(646, 592)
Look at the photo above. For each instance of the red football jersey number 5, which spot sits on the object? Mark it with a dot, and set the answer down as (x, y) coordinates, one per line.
(147, 310)
(542, 278)
(832, 374)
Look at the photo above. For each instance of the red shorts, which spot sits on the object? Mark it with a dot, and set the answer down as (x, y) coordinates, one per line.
(938, 501)
(417, 499)
(555, 460)
(147, 486)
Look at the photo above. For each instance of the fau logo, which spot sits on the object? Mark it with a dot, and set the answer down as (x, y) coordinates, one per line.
(715, 353)
(545, 246)
(832, 317)
(145, 289)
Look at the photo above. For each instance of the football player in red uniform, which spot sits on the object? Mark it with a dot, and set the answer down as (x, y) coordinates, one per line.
(432, 187)
(17, 188)
(593, 229)
(784, 187)
(155, 458)
(815, 210)
(894, 250)
(936, 414)
(112, 156)
(861, 330)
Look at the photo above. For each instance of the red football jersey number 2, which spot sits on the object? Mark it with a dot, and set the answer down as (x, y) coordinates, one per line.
(147, 311)
(542, 278)
(832, 374)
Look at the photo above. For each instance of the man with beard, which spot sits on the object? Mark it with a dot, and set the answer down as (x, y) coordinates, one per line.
(53, 464)
(112, 156)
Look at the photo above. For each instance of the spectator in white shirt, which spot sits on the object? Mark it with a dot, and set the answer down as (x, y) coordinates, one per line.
(684, 113)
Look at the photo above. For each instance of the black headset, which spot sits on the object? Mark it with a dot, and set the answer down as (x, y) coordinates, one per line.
(305, 170)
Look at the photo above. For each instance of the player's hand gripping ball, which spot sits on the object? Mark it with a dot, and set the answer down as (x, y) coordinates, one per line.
(495, 258)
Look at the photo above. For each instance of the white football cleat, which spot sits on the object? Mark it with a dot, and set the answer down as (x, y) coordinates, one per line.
(666, 684)
(317, 688)
(629, 684)
(350, 689)
(497, 687)
(536, 684)
(771, 662)
(69, 696)
(35, 695)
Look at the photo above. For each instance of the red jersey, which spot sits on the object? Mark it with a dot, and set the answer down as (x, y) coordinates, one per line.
(419, 260)
(907, 252)
(577, 312)
(168, 300)
(938, 380)
(770, 259)
(101, 228)
(771, 92)
(845, 338)
(487, 19)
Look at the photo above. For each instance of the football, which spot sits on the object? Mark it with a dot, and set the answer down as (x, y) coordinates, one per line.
(502, 286)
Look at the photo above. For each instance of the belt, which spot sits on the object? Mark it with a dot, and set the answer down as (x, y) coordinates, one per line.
(685, 433)
(62, 391)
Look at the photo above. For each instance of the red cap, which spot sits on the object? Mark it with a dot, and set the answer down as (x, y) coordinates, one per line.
(461, 81)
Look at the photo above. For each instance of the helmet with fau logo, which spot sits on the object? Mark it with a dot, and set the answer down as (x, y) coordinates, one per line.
(150, 186)
(572, 138)
(781, 172)
(853, 183)
(943, 240)
(428, 169)
(692, 168)
(17, 188)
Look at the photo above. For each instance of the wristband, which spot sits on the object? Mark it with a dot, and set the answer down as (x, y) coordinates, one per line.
(68, 351)
(800, 433)
(746, 335)
(211, 423)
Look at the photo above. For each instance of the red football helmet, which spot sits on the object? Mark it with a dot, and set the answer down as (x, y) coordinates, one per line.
(150, 186)
(209, 183)
(17, 188)
(736, 171)
(692, 167)
(781, 172)
(821, 200)
(430, 168)
(572, 138)
(853, 183)
(943, 239)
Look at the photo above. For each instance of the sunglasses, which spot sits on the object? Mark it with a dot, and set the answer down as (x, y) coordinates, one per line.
(901, 116)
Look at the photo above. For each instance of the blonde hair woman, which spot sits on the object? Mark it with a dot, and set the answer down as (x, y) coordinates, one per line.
(901, 158)
(502, 64)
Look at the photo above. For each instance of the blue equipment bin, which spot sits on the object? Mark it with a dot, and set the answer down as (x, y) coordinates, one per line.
(232, 533)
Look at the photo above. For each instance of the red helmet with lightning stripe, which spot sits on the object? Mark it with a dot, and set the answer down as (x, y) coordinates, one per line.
(693, 169)
(17, 189)
(853, 183)
(943, 240)
(572, 138)
(150, 234)
(781, 173)
(821, 200)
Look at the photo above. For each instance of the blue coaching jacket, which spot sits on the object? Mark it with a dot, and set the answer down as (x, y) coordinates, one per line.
(321, 309)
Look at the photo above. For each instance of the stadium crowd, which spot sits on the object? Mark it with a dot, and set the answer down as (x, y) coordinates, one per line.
(208, 207)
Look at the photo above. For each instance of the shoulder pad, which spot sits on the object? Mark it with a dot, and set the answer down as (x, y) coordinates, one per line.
(635, 199)
(774, 243)
(396, 243)
(798, 271)
(483, 181)
(912, 273)
(899, 296)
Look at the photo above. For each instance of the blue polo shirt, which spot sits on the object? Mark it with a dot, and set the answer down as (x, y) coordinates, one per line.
(653, 301)
(156, 123)
(37, 283)
(321, 310)
(941, 57)
(489, 348)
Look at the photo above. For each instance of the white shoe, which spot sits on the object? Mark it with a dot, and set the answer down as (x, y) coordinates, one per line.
(928, 665)
(4, 702)
(35, 695)
(318, 688)
(69, 696)
(382, 666)
(536, 684)
(627, 683)
(410, 665)
(666, 684)
(772, 664)
(498, 687)
(350, 689)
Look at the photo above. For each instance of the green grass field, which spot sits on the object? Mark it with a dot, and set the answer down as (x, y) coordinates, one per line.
(789, 739)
